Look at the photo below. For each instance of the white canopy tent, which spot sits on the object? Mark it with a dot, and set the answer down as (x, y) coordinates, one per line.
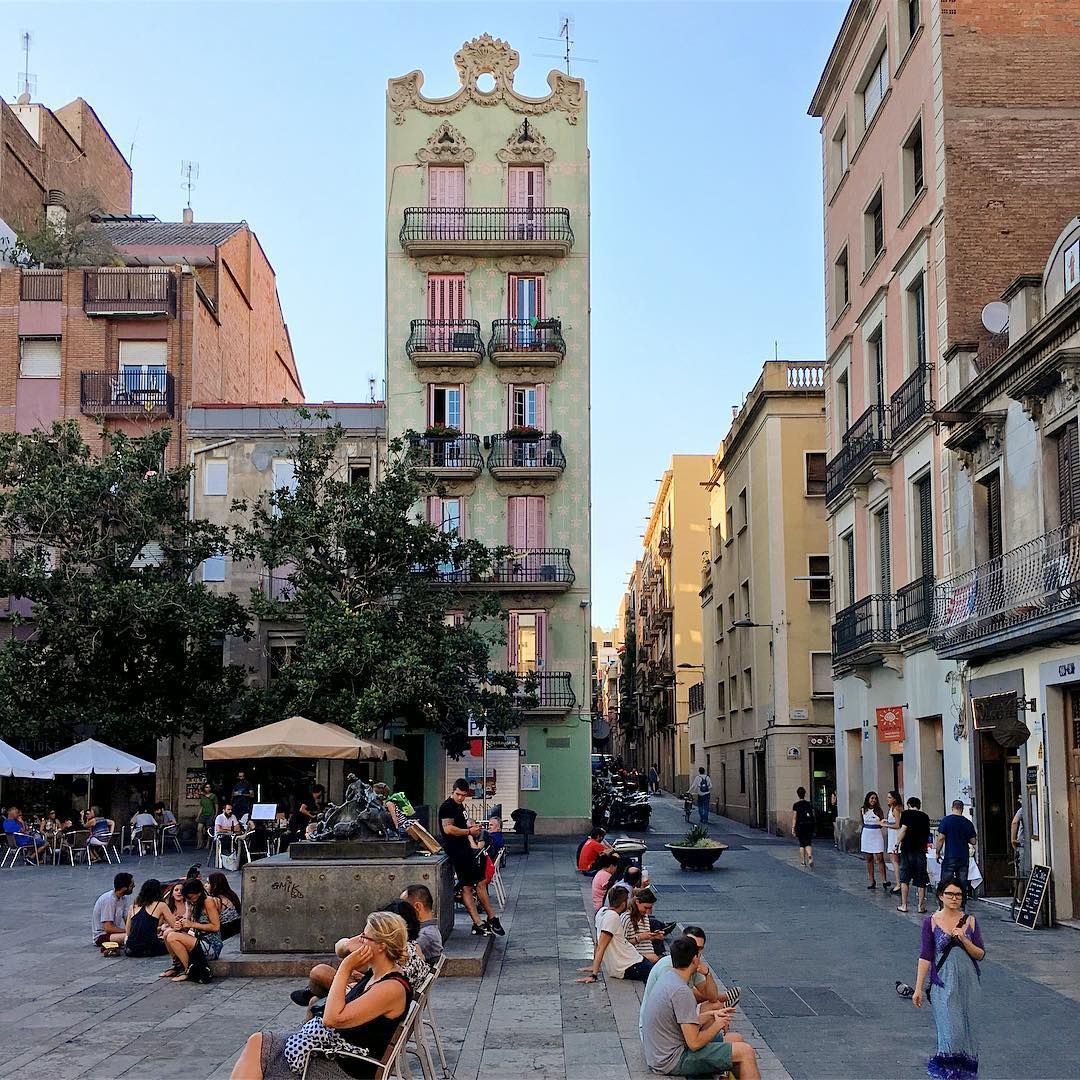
(91, 757)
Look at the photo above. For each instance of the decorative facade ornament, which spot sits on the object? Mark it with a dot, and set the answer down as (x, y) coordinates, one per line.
(457, 374)
(527, 264)
(446, 146)
(486, 55)
(446, 264)
(526, 146)
(524, 373)
(529, 486)
(981, 444)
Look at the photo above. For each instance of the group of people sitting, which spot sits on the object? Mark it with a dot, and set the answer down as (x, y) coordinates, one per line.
(355, 1007)
(186, 920)
(40, 836)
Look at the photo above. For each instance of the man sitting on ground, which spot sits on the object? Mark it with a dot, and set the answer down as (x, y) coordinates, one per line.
(591, 850)
(613, 951)
(702, 983)
(110, 911)
(429, 940)
(679, 1034)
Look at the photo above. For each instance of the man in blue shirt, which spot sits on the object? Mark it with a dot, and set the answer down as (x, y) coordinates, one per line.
(15, 827)
(955, 837)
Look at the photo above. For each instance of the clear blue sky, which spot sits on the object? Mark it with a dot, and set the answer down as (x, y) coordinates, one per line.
(706, 187)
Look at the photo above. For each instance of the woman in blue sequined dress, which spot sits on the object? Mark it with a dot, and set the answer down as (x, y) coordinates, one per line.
(952, 947)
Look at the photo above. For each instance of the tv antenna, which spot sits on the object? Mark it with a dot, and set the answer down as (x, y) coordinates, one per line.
(27, 82)
(566, 36)
(189, 170)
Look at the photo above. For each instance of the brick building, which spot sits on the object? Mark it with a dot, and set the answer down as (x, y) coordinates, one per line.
(947, 135)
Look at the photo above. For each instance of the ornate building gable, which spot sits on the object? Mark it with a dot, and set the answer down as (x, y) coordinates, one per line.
(526, 146)
(446, 146)
(486, 55)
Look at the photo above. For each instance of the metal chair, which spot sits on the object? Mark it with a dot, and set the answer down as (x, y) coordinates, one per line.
(14, 852)
(145, 837)
(74, 843)
(427, 1015)
(392, 1063)
(108, 844)
(497, 881)
(169, 834)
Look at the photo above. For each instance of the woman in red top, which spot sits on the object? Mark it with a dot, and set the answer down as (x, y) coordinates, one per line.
(592, 847)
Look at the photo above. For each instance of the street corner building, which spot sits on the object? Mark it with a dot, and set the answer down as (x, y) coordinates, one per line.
(949, 175)
(487, 322)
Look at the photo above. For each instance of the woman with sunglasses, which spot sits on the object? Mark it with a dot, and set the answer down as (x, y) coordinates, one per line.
(364, 1017)
(952, 947)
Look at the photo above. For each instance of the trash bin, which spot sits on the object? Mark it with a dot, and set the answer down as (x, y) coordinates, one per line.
(524, 824)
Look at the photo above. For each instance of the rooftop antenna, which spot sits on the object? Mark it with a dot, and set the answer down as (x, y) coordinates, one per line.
(371, 388)
(566, 36)
(189, 170)
(27, 82)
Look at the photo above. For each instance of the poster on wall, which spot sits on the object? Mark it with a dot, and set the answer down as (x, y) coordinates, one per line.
(1072, 265)
(193, 784)
(530, 777)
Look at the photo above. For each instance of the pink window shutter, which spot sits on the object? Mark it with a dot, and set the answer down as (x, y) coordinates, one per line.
(525, 184)
(446, 296)
(510, 391)
(512, 642)
(434, 510)
(535, 521)
(541, 406)
(541, 639)
(446, 186)
(516, 516)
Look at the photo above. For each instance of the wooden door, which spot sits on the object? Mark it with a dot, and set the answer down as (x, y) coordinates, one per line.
(1072, 763)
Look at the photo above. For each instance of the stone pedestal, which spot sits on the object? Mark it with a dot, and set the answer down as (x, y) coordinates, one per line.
(293, 905)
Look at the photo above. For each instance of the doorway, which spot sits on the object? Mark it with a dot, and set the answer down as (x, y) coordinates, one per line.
(761, 801)
(1072, 760)
(823, 789)
(999, 789)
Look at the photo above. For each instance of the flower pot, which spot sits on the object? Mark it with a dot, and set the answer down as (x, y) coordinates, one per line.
(696, 858)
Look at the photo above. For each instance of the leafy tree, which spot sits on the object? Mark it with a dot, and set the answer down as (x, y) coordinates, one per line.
(361, 566)
(75, 240)
(110, 633)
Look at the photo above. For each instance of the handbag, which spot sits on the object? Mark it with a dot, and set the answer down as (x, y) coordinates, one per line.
(198, 965)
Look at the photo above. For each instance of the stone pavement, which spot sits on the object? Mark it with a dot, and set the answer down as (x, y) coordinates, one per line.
(816, 954)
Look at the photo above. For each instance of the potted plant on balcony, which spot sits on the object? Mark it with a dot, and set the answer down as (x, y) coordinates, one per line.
(697, 850)
(524, 433)
(441, 431)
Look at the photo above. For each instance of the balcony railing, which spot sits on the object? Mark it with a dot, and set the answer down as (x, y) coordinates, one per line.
(457, 337)
(869, 435)
(526, 336)
(868, 622)
(459, 453)
(992, 350)
(915, 606)
(554, 691)
(697, 698)
(1020, 596)
(42, 285)
(126, 393)
(911, 402)
(534, 568)
(664, 543)
(540, 455)
(129, 291)
(495, 228)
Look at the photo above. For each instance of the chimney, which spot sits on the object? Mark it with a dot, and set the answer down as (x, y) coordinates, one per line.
(189, 215)
(55, 208)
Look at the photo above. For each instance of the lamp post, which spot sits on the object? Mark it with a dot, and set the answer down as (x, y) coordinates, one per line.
(749, 624)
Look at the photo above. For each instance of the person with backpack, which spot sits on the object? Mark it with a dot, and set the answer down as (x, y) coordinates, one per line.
(701, 788)
(803, 825)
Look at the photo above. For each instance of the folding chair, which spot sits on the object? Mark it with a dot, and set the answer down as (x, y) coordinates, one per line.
(497, 881)
(392, 1066)
(427, 1015)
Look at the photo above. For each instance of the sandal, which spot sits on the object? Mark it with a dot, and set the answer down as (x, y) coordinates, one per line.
(903, 909)
(182, 977)
(922, 911)
(176, 969)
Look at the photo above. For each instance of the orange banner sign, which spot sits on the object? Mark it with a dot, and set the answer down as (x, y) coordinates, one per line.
(890, 723)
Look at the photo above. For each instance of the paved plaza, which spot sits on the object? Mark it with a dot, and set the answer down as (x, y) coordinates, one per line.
(816, 954)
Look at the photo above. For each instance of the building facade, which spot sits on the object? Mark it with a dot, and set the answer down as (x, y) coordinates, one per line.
(663, 611)
(605, 666)
(487, 321)
(764, 723)
(932, 117)
(243, 452)
(1010, 611)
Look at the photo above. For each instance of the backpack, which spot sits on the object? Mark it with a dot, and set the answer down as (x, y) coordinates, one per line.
(706, 785)
(804, 816)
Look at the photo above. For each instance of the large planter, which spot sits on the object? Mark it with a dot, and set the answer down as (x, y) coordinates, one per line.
(696, 858)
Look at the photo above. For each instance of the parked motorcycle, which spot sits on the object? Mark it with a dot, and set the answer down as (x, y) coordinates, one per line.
(618, 806)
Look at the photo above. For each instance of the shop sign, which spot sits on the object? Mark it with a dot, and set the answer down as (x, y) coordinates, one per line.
(890, 723)
(821, 742)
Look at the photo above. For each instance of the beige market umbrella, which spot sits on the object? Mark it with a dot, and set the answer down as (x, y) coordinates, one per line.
(372, 749)
(296, 737)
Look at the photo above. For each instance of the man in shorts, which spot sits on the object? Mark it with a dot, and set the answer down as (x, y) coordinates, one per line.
(456, 832)
(911, 843)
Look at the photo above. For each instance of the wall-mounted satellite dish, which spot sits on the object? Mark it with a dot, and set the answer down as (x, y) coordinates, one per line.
(995, 316)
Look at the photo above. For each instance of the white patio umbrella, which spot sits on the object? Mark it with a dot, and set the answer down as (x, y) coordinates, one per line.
(15, 763)
(90, 757)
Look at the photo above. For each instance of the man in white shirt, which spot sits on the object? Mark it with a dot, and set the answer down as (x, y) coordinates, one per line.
(226, 825)
(701, 789)
(142, 818)
(618, 957)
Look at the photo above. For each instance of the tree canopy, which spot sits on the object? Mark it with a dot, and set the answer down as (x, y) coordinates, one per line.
(74, 239)
(362, 568)
(107, 630)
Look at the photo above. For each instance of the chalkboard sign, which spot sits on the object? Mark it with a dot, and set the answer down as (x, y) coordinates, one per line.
(1034, 895)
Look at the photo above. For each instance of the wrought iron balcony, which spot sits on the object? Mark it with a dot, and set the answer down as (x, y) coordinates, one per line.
(537, 569)
(129, 290)
(911, 402)
(538, 457)
(1028, 595)
(554, 692)
(444, 342)
(490, 230)
(537, 342)
(862, 442)
(915, 606)
(992, 351)
(864, 628)
(664, 543)
(134, 394)
(447, 456)
(42, 285)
